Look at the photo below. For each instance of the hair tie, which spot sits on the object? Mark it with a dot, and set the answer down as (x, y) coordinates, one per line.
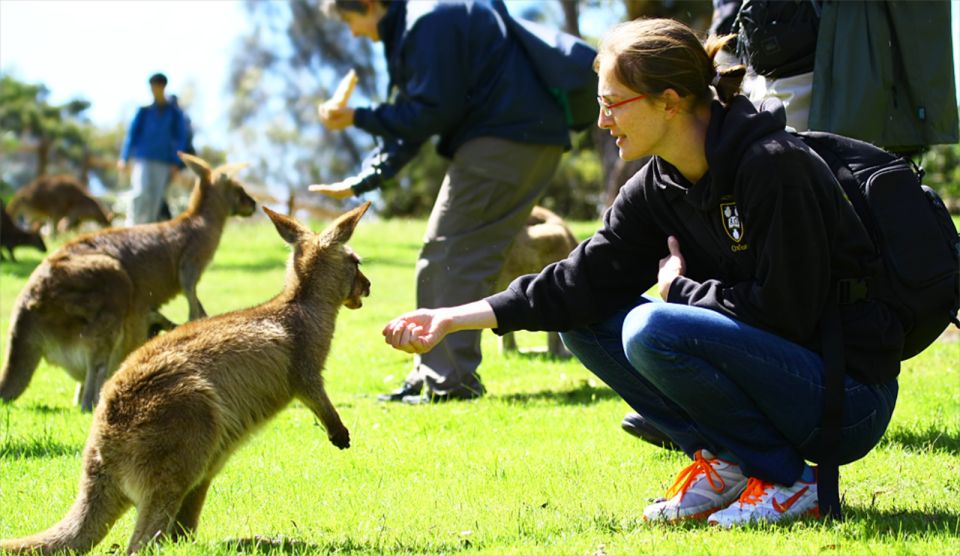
(716, 80)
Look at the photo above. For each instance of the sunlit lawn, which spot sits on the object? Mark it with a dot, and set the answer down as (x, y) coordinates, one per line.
(539, 466)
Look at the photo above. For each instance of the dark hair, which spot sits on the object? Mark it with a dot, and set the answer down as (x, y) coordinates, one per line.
(158, 78)
(331, 7)
(653, 55)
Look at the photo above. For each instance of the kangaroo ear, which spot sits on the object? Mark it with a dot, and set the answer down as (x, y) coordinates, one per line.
(289, 229)
(197, 164)
(342, 228)
(229, 170)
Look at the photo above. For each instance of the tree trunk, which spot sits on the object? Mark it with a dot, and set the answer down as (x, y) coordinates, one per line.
(571, 17)
(43, 157)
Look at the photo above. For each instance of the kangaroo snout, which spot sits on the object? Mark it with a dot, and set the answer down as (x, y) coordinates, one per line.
(360, 289)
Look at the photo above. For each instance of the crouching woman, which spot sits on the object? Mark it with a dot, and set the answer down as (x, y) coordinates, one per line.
(745, 231)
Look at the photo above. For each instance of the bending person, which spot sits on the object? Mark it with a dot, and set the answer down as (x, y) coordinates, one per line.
(500, 126)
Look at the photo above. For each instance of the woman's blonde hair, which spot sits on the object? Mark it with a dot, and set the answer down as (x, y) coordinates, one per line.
(653, 55)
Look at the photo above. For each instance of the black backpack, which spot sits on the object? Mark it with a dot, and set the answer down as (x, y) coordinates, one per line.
(914, 235)
(778, 38)
(564, 64)
(911, 230)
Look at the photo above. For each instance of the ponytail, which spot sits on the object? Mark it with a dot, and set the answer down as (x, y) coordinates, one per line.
(726, 81)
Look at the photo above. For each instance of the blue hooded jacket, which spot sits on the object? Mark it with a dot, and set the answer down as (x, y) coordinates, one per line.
(456, 71)
(156, 134)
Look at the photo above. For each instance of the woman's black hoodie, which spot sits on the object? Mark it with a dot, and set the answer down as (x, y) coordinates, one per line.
(765, 234)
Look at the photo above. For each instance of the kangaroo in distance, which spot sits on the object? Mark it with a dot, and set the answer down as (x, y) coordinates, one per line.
(12, 236)
(61, 200)
(93, 301)
(182, 403)
(545, 239)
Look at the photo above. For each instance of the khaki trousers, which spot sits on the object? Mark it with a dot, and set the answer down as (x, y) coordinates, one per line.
(487, 194)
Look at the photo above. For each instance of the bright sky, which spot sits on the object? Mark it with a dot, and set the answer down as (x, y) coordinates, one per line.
(104, 51)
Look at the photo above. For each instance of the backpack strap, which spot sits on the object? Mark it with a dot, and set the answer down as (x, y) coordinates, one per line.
(828, 475)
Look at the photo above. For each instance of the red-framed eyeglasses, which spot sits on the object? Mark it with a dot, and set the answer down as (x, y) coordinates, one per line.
(608, 108)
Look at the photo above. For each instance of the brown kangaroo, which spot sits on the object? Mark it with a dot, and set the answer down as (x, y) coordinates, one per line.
(93, 301)
(12, 235)
(545, 239)
(61, 200)
(182, 403)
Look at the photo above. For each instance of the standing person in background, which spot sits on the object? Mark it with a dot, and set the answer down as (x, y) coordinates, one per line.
(456, 71)
(165, 212)
(157, 132)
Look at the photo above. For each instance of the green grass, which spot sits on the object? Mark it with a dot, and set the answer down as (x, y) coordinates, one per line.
(539, 466)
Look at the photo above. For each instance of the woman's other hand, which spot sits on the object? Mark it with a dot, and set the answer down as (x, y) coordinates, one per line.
(671, 266)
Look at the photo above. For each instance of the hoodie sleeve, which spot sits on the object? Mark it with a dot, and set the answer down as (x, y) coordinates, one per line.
(604, 273)
(435, 88)
(784, 226)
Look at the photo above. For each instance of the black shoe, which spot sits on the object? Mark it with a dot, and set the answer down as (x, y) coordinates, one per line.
(431, 397)
(406, 389)
(635, 424)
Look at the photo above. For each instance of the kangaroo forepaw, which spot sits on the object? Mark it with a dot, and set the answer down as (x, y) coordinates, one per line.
(340, 438)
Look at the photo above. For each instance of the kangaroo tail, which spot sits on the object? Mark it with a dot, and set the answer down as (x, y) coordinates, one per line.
(96, 509)
(22, 357)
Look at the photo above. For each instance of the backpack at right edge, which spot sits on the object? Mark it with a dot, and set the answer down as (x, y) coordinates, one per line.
(911, 230)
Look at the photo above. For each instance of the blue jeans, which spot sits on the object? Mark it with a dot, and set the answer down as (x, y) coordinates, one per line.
(709, 381)
(149, 180)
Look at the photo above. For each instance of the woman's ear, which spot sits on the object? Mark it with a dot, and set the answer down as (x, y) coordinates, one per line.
(672, 103)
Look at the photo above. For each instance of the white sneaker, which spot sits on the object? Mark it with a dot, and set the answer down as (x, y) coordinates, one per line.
(769, 502)
(703, 487)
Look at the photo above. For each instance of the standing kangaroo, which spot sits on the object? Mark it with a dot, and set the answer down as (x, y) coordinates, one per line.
(181, 404)
(93, 301)
(61, 200)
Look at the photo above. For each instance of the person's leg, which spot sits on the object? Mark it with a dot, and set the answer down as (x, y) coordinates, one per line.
(710, 482)
(600, 348)
(751, 393)
(490, 188)
(148, 181)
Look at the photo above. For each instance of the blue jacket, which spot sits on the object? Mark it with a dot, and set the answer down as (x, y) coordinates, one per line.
(455, 71)
(156, 134)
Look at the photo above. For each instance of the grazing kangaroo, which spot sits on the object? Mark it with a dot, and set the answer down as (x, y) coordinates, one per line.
(182, 403)
(545, 239)
(61, 200)
(93, 301)
(12, 235)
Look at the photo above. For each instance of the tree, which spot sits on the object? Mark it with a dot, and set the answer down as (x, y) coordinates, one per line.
(56, 136)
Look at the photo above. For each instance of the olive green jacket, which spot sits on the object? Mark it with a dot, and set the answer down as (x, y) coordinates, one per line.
(884, 73)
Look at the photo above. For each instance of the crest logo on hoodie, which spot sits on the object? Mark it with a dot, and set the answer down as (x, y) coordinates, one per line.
(732, 224)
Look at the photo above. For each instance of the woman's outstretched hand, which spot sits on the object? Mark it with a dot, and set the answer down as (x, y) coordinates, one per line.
(671, 266)
(417, 331)
(421, 330)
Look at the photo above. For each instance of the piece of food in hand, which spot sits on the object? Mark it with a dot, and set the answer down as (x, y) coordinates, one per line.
(344, 89)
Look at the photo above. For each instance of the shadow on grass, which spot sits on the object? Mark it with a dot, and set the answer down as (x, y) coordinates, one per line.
(584, 394)
(898, 523)
(262, 545)
(45, 409)
(37, 448)
(929, 440)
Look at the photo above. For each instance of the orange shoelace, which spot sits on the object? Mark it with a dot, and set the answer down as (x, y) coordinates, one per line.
(691, 472)
(754, 491)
